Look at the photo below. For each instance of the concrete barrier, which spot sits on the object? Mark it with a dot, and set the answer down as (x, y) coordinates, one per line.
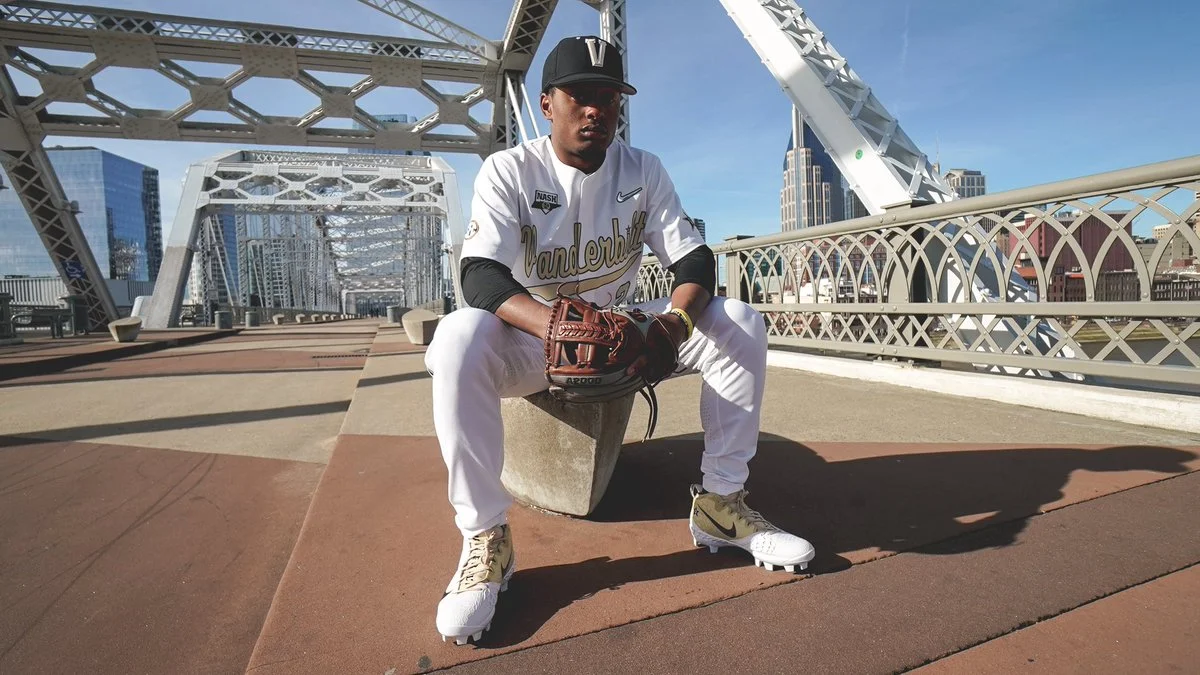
(278, 319)
(560, 456)
(125, 330)
(301, 318)
(395, 313)
(419, 325)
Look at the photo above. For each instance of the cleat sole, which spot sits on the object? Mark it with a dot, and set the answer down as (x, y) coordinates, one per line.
(467, 639)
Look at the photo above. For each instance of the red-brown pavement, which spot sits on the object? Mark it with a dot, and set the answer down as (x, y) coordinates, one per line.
(1151, 628)
(197, 560)
(901, 611)
(39, 354)
(138, 560)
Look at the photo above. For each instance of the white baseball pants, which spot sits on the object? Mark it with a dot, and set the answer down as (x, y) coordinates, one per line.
(476, 359)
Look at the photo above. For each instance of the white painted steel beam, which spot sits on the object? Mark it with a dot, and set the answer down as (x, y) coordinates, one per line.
(310, 225)
(155, 43)
(437, 26)
(28, 167)
(526, 27)
(884, 166)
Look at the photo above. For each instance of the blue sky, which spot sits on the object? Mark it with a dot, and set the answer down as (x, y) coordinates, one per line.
(1028, 91)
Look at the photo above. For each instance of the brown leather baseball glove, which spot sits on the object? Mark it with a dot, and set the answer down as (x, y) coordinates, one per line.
(590, 350)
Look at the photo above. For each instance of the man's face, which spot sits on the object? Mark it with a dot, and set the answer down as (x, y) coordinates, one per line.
(583, 118)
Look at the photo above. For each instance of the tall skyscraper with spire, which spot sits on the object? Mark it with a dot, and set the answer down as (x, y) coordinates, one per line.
(812, 185)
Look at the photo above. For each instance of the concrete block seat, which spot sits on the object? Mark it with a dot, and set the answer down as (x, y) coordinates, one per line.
(419, 325)
(125, 330)
(560, 456)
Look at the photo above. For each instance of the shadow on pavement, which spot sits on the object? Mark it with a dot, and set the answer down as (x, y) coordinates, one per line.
(863, 507)
(887, 503)
(91, 431)
(67, 377)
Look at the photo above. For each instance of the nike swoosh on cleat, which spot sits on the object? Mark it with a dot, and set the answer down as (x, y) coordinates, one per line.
(730, 532)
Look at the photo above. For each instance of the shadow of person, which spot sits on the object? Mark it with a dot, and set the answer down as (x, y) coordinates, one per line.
(535, 595)
(852, 509)
(879, 504)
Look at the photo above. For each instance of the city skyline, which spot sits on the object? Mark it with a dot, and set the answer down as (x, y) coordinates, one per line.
(719, 136)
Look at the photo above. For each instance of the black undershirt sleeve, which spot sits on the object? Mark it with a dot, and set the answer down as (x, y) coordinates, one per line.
(486, 284)
(699, 266)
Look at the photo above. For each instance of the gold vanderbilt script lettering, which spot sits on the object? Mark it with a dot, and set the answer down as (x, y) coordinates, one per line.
(582, 257)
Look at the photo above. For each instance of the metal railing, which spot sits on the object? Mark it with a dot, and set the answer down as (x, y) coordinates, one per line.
(1047, 280)
(24, 320)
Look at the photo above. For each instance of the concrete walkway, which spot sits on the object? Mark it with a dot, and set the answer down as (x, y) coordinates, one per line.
(274, 501)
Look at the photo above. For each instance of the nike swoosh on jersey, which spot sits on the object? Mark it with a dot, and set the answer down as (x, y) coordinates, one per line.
(622, 198)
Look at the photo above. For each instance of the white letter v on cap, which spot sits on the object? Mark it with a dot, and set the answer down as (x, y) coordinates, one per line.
(596, 50)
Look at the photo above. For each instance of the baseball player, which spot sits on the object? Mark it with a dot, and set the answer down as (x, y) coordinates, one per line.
(570, 213)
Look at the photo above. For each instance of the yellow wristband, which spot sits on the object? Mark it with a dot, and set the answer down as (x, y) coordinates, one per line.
(687, 320)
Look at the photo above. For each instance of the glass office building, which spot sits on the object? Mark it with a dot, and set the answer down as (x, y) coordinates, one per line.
(118, 203)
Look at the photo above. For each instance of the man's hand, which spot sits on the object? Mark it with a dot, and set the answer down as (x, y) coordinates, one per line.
(675, 329)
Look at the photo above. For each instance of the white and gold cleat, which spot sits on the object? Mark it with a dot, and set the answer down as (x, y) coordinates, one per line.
(718, 521)
(484, 568)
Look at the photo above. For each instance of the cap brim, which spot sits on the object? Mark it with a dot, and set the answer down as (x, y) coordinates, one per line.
(592, 78)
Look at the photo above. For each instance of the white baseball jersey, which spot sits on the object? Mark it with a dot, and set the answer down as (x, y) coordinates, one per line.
(557, 227)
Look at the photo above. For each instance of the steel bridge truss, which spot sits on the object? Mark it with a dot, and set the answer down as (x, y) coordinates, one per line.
(300, 230)
(457, 71)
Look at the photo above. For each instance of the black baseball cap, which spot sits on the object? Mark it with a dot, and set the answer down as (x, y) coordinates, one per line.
(585, 58)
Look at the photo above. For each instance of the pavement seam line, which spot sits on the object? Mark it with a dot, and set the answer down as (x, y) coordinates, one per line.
(304, 525)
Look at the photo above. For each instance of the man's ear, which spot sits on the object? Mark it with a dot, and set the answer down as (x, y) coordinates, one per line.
(545, 104)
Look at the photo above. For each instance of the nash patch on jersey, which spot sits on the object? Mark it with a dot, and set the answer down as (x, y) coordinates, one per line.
(472, 229)
(544, 201)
